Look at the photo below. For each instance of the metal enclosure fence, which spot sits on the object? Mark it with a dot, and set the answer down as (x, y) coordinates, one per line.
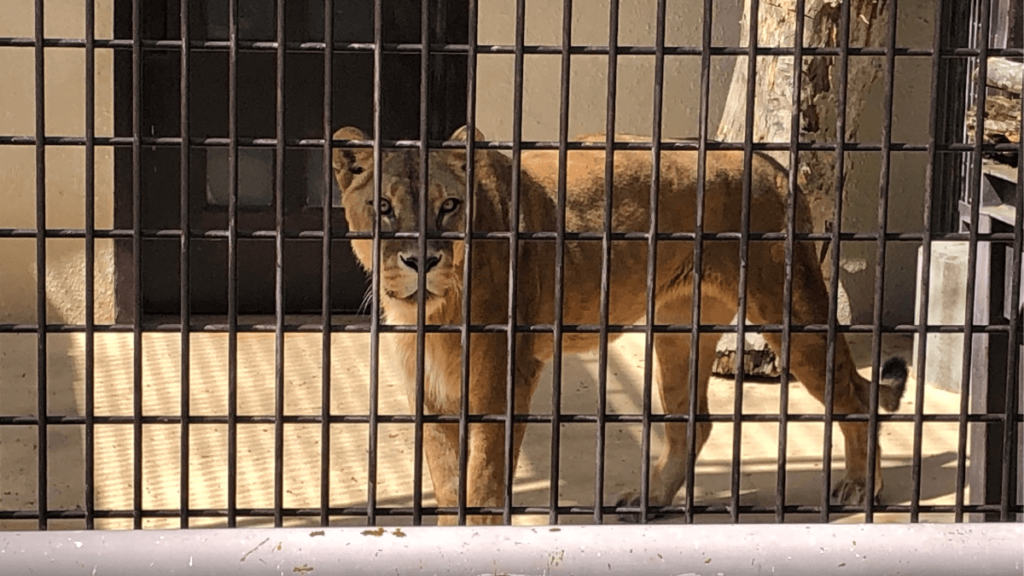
(435, 51)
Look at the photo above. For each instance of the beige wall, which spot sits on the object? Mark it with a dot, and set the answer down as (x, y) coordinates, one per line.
(65, 88)
(907, 178)
(65, 165)
(589, 80)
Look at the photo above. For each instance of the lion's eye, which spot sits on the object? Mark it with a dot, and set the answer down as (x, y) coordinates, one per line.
(450, 205)
(385, 206)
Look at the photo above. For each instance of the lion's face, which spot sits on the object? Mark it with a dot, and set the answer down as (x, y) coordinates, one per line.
(399, 210)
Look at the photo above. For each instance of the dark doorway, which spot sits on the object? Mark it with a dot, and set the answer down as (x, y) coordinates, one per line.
(351, 104)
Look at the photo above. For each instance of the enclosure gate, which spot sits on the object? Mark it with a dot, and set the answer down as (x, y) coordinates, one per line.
(225, 219)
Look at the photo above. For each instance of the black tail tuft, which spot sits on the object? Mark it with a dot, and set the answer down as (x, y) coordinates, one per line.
(893, 382)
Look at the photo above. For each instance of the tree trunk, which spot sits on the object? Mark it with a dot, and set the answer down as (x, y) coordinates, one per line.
(819, 88)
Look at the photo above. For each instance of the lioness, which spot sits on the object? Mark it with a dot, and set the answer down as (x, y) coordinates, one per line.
(399, 261)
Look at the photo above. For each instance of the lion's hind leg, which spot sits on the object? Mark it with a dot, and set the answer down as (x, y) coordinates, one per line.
(808, 353)
(672, 355)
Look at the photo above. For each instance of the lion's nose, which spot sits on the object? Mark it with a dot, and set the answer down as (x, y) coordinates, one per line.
(413, 262)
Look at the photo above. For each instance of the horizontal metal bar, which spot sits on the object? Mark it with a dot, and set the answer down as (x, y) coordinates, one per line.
(493, 418)
(545, 49)
(678, 144)
(317, 235)
(400, 511)
(214, 328)
(936, 550)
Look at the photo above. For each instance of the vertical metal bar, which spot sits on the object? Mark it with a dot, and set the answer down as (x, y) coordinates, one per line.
(232, 491)
(652, 260)
(926, 264)
(421, 269)
(371, 469)
(41, 392)
(974, 186)
(1006, 499)
(741, 316)
(328, 203)
(837, 226)
(787, 290)
(883, 225)
(90, 263)
(698, 255)
(467, 259)
(606, 257)
(137, 260)
(556, 368)
(185, 269)
(279, 311)
(513, 258)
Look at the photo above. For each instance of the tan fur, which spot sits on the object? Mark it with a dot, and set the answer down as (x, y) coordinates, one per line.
(582, 271)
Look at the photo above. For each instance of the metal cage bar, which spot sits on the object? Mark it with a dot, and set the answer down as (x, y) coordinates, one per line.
(375, 310)
(467, 259)
(185, 268)
(440, 48)
(606, 258)
(137, 332)
(300, 143)
(326, 318)
(698, 258)
(744, 247)
(880, 253)
(974, 194)
(513, 262)
(652, 262)
(421, 276)
(90, 264)
(1011, 440)
(834, 245)
(926, 257)
(560, 208)
(279, 294)
(787, 289)
(40, 192)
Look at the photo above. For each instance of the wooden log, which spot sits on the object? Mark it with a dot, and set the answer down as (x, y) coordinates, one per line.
(1002, 119)
(818, 104)
(1004, 74)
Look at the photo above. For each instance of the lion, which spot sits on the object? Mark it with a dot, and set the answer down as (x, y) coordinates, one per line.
(534, 292)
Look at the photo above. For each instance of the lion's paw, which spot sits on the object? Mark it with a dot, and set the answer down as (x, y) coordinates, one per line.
(851, 492)
(632, 499)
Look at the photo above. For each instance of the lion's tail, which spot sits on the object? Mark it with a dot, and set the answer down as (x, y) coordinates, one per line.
(893, 381)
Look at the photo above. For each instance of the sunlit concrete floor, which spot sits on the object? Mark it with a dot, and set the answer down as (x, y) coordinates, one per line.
(208, 481)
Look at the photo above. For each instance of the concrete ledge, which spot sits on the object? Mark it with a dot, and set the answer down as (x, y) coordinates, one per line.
(851, 550)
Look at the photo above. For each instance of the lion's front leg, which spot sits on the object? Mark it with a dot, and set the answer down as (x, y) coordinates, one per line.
(441, 450)
(485, 469)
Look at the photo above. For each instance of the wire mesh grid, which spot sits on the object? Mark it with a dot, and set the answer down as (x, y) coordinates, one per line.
(135, 152)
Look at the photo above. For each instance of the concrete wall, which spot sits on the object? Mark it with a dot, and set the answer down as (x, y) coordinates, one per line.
(65, 165)
(589, 82)
(65, 88)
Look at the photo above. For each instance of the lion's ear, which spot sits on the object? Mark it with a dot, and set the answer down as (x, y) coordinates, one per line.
(460, 134)
(458, 156)
(350, 162)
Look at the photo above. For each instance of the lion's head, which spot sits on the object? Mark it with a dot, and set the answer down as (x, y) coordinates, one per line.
(399, 212)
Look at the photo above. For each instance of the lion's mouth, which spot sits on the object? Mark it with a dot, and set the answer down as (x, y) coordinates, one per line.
(411, 298)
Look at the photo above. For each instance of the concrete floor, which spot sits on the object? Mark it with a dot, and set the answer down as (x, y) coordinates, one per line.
(348, 450)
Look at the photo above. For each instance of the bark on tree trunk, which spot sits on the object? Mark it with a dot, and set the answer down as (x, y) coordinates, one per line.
(818, 106)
